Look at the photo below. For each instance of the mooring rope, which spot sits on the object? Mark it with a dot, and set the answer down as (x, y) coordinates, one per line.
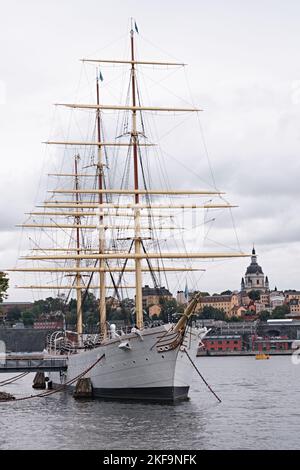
(59, 389)
(13, 379)
(200, 375)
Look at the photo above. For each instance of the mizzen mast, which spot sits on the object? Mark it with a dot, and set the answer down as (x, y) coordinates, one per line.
(78, 261)
(102, 303)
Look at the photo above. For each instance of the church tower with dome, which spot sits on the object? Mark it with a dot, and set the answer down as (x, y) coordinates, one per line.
(254, 277)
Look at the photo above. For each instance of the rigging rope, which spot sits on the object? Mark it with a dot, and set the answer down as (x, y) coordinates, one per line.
(201, 376)
(12, 380)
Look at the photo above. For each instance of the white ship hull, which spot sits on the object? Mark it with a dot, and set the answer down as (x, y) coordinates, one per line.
(150, 370)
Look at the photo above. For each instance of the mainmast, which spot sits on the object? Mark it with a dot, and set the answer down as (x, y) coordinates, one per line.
(78, 274)
(102, 302)
(137, 225)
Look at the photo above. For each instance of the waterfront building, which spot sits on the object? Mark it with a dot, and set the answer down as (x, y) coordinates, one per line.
(259, 307)
(181, 297)
(268, 344)
(222, 343)
(227, 303)
(254, 277)
(265, 298)
(154, 310)
(277, 299)
(48, 325)
(294, 305)
(153, 295)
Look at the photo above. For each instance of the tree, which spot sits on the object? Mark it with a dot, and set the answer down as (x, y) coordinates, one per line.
(90, 303)
(280, 311)
(203, 294)
(168, 308)
(212, 313)
(3, 286)
(28, 318)
(13, 314)
(48, 306)
(226, 292)
(234, 318)
(264, 315)
(254, 295)
(127, 307)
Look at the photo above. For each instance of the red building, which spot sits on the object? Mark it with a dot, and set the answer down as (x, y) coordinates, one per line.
(269, 343)
(48, 325)
(223, 343)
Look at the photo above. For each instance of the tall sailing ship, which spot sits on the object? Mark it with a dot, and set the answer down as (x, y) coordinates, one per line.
(105, 222)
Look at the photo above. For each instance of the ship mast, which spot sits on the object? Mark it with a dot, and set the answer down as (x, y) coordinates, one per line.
(137, 225)
(78, 274)
(102, 302)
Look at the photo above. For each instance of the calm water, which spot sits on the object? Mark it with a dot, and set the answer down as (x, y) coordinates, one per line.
(260, 409)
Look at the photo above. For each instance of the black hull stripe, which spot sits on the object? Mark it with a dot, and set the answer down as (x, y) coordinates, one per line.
(159, 394)
(153, 394)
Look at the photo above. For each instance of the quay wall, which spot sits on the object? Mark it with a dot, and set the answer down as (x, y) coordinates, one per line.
(24, 340)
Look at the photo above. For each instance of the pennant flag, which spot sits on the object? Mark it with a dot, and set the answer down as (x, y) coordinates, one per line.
(100, 76)
(136, 28)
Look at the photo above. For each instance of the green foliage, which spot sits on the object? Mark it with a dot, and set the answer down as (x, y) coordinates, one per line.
(168, 308)
(90, 303)
(71, 319)
(234, 319)
(3, 286)
(13, 314)
(116, 315)
(254, 295)
(127, 307)
(28, 318)
(213, 313)
(226, 292)
(264, 315)
(48, 306)
(203, 294)
(280, 311)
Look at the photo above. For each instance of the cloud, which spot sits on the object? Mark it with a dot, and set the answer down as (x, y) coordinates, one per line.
(247, 84)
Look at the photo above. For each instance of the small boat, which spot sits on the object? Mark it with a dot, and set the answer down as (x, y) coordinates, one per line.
(262, 356)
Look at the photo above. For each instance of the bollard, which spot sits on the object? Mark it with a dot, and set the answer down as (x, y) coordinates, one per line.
(6, 396)
(83, 389)
(39, 381)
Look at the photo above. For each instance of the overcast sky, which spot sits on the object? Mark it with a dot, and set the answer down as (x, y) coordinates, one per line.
(243, 70)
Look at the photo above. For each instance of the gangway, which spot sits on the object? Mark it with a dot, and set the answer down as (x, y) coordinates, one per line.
(32, 363)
